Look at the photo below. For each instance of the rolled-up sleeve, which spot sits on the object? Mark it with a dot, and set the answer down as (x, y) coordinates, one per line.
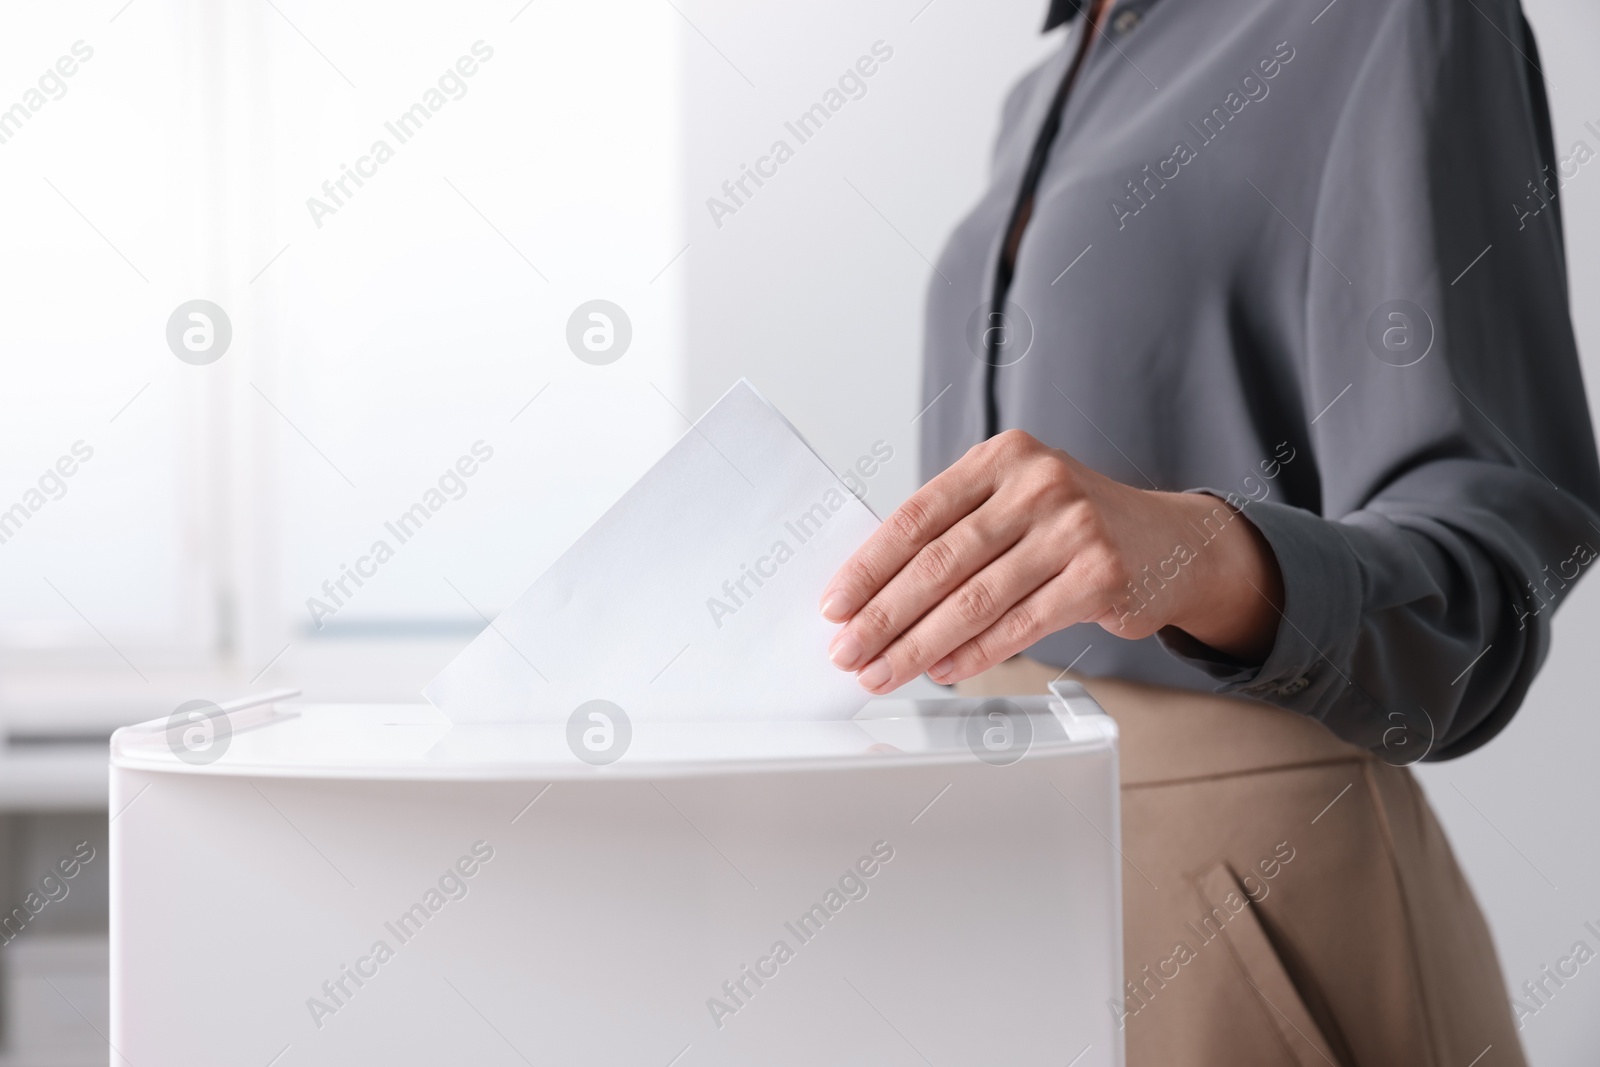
(1445, 411)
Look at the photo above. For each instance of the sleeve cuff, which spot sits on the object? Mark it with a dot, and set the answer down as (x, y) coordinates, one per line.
(1321, 612)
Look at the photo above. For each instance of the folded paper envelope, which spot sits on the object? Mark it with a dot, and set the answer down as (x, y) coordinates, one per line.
(694, 597)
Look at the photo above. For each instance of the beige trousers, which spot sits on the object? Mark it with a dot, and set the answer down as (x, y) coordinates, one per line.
(1288, 899)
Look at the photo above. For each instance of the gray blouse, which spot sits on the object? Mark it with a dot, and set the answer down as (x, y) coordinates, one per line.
(1310, 258)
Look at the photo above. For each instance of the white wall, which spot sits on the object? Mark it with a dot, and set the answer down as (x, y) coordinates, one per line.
(814, 295)
(808, 289)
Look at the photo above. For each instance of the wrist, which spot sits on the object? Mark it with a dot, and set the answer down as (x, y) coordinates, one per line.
(1234, 602)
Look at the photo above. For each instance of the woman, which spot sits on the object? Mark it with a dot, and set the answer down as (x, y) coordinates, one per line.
(1256, 355)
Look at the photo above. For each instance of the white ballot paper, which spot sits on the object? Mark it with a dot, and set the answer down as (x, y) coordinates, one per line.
(694, 597)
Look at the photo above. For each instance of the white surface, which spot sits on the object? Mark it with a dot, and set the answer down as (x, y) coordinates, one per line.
(695, 595)
(415, 741)
(615, 907)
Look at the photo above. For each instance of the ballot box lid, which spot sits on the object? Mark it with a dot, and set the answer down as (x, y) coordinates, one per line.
(279, 738)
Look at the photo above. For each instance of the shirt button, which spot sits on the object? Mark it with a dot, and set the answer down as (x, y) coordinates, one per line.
(1125, 22)
(1289, 689)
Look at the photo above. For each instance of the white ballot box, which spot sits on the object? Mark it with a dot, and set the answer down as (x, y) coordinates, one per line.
(931, 882)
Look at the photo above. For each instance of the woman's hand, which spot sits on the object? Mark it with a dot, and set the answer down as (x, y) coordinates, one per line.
(1016, 540)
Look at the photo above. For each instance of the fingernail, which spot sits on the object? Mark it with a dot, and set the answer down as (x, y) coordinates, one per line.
(874, 674)
(838, 606)
(942, 668)
(845, 651)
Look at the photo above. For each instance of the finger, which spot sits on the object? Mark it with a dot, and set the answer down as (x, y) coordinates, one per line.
(1053, 606)
(936, 571)
(930, 511)
(976, 606)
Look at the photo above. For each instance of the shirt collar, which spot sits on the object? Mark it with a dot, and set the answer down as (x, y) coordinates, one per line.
(1061, 11)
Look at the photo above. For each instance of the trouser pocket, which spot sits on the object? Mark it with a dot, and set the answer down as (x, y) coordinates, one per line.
(1229, 905)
